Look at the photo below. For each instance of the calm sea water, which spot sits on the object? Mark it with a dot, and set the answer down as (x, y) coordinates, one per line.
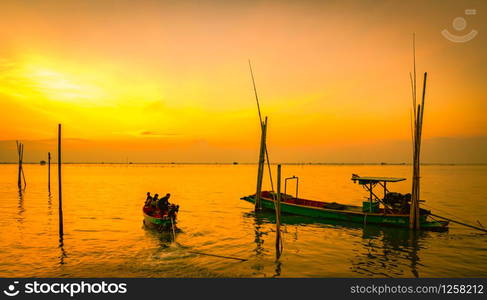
(104, 235)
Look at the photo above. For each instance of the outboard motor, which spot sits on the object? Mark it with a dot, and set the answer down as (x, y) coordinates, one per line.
(398, 201)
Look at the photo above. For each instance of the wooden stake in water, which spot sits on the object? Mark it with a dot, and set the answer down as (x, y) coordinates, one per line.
(49, 171)
(21, 175)
(60, 192)
(19, 178)
(278, 214)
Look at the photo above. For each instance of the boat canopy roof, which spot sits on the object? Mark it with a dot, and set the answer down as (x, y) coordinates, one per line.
(373, 179)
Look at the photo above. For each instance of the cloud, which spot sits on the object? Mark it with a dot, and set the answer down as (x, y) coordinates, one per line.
(158, 134)
(147, 133)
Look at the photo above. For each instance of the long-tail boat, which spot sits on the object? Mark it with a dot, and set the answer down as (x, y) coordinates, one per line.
(162, 220)
(391, 210)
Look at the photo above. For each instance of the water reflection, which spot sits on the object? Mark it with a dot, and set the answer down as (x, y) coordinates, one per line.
(49, 204)
(164, 238)
(104, 236)
(259, 220)
(414, 245)
(389, 252)
(379, 251)
(277, 270)
(20, 207)
(259, 242)
(259, 246)
(63, 254)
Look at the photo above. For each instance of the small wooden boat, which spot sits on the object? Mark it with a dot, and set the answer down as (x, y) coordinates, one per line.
(162, 220)
(393, 212)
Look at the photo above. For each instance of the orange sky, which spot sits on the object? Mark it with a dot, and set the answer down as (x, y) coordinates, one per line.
(169, 81)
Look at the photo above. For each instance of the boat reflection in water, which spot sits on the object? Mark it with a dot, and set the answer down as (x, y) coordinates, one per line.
(389, 252)
(378, 251)
(165, 237)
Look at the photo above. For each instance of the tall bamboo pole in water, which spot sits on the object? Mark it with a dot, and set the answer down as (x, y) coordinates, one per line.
(414, 192)
(414, 221)
(420, 135)
(412, 209)
(21, 175)
(263, 149)
(60, 192)
(22, 165)
(19, 182)
(49, 171)
(278, 214)
(260, 169)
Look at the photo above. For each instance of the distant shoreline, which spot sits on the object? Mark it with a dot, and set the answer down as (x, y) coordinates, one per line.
(250, 163)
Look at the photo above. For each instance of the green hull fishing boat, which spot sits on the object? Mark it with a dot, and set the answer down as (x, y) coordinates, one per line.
(392, 210)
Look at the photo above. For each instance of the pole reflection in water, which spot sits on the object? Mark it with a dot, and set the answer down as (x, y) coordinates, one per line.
(49, 205)
(259, 243)
(378, 251)
(20, 208)
(105, 236)
(278, 269)
(63, 253)
(413, 254)
(259, 220)
(389, 252)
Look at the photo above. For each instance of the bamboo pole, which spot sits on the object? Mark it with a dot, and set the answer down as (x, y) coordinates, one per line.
(18, 160)
(414, 222)
(19, 177)
(21, 174)
(414, 207)
(263, 149)
(417, 172)
(268, 164)
(263, 154)
(278, 214)
(420, 135)
(22, 163)
(255, 92)
(414, 73)
(49, 171)
(414, 193)
(412, 215)
(260, 169)
(60, 192)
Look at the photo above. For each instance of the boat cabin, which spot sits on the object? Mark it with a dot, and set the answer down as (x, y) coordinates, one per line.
(392, 202)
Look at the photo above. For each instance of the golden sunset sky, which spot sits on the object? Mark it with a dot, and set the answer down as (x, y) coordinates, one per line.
(162, 81)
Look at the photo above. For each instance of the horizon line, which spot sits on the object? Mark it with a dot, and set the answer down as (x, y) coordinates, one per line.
(249, 163)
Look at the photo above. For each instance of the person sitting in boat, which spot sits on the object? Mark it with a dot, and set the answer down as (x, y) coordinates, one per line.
(163, 203)
(148, 199)
(172, 210)
(153, 203)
